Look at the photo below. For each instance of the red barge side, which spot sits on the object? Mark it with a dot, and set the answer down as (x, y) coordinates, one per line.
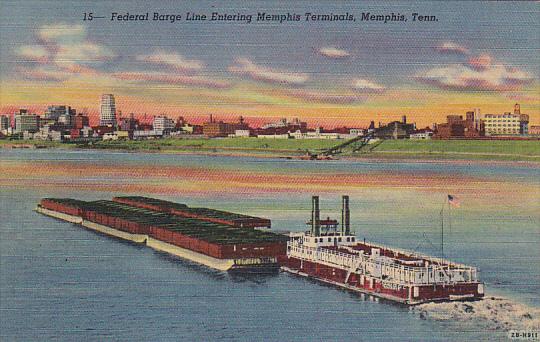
(336, 257)
(211, 243)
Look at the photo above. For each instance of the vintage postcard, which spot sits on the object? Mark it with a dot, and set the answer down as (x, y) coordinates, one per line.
(269, 170)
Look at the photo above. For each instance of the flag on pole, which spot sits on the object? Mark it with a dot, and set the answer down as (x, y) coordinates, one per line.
(453, 201)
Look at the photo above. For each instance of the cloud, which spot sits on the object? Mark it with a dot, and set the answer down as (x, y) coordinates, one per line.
(62, 33)
(33, 53)
(247, 68)
(172, 60)
(168, 78)
(452, 48)
(82, 53)
(480, 63)
(332, 52)
(366, 86)
(63, 51)
(480, 74)
(318, 96)
(46, 74)
(521, 97)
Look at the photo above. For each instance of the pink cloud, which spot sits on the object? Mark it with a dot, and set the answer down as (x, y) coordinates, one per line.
(520, 97)
(318, 96)
(247, 68)
(43, 74)
(479, 74)
(481, 62)
(197, 81)
(33, 53)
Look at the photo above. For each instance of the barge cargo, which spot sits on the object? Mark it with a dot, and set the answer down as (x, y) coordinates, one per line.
(220, 246)
(336, 257)
(205, 214)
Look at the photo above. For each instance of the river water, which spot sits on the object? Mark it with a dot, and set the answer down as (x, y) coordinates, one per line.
(59, 281)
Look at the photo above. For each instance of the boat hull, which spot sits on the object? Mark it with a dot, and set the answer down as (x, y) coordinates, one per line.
(408, 294)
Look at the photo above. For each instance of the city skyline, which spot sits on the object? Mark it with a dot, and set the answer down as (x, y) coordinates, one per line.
(328, 74)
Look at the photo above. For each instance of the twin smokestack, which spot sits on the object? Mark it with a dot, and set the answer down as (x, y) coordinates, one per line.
(316, 216)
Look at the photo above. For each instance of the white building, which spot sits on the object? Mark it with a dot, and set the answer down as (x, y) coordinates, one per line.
(107, 115)
(242, 133)
(422, 134)
(153, 134)
(504, 124)
(273, 136)
(162, 124)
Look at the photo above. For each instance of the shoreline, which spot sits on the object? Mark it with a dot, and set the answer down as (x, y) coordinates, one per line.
(289, 154)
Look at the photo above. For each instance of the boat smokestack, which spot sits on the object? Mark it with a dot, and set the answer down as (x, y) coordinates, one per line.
(315, 216)
(345, 216)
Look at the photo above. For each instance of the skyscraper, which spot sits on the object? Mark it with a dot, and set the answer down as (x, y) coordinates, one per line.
(107, 115)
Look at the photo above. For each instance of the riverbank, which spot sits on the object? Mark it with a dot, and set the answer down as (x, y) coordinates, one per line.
(497, 150)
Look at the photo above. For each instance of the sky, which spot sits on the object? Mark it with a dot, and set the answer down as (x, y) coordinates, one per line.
(477, 55)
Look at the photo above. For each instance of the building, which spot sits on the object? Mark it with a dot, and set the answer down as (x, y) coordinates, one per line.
(457, 127)
(507, 123)
(5, 122)
(163, 124)
(107, 114)
(25, 121)
(534, 130)
(421, 134)
(81, 121)
(66, 120)
(292, 126)
(129, 124)
(241, 133)
(213, 129)
(395, 130)
(55, 112)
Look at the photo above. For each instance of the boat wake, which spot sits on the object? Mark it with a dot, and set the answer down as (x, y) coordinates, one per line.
(491, 312)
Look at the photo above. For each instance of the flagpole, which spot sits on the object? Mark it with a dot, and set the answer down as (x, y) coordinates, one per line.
(442, 231)
(449, 218)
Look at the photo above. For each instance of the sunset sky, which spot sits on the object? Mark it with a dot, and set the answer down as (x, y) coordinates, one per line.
(477, 55)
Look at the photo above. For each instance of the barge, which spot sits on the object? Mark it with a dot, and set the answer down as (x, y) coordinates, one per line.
(334, 256)
(217, 239)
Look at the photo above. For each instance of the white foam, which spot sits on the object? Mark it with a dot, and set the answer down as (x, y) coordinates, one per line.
(491, 312)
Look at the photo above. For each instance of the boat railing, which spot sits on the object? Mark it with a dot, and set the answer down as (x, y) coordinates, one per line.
(444, 262)
(433, 273)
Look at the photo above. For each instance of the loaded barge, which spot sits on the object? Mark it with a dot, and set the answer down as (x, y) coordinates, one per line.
(218, 239)
(230, 242)
(336, 257)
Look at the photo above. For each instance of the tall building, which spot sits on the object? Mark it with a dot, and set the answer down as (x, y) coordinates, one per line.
(25, 121)
(5, 122)
(107, 115)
